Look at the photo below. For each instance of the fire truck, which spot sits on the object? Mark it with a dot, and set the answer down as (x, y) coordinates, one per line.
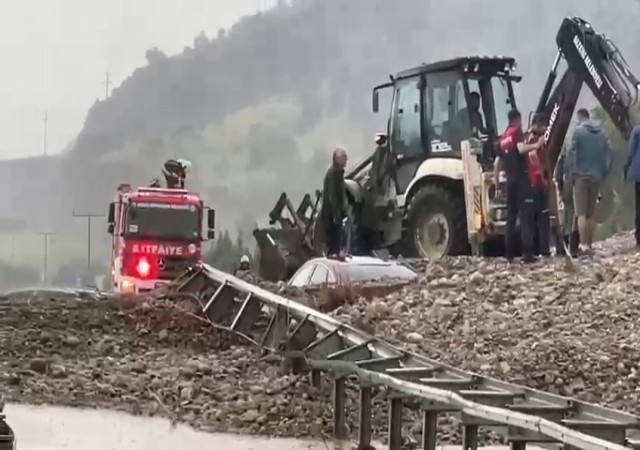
(157, 233)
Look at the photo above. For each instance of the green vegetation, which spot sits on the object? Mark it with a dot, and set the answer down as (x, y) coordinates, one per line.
(257, 107)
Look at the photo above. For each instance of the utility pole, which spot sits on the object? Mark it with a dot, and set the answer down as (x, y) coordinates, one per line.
(44, 137)
(107, 83)
(88, 217)
(46, 251)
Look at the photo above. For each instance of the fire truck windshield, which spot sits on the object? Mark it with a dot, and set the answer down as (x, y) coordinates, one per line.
(162, 221)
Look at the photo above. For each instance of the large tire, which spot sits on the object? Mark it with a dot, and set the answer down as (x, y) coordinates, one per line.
(436, 224)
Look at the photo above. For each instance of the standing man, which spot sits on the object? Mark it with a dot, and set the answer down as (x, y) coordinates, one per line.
(591, 154)
(519, 192)
(539, 183)
(334, 202)
(632, 173)
(244, 268)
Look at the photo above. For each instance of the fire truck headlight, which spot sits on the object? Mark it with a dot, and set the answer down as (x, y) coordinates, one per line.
(192, 248)
(127, 287)
(143, 267)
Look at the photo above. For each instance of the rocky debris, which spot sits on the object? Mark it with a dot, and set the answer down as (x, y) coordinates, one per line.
(565, 328)
(151, 358)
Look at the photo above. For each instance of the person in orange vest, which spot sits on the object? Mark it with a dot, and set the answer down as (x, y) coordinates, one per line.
(539, 183)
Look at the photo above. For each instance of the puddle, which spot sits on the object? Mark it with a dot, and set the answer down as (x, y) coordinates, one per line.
(55, 428)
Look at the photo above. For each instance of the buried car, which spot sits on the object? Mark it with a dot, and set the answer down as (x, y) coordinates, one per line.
(353, 269)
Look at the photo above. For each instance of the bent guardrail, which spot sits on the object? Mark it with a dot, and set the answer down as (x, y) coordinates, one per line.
(324, 344)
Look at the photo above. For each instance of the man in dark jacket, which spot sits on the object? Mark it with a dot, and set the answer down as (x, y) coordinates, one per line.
(632, 173)
(590, 152)
(334, 203)
(520, 205)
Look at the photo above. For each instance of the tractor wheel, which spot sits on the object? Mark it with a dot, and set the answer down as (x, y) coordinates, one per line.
(436, 224)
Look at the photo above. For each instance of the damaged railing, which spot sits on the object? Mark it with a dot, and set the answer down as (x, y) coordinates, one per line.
(323, 344)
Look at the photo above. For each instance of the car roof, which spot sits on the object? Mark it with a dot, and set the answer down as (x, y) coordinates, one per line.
(353, 261)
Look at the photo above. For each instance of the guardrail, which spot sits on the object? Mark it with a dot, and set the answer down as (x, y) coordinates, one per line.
(321, 344)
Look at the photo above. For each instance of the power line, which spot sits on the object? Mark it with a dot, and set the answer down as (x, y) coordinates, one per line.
(107, 83)
(88, 217)
(44, 135)
(46, 251)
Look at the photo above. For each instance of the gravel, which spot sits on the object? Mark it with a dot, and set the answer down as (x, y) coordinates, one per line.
(153, 359)
(566, 328)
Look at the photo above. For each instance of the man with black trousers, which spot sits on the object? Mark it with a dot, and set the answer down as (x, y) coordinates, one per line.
(520, 204)
(632, 173)
(334, 203)
(539, 183)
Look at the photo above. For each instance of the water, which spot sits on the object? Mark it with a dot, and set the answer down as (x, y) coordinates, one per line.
(55, 428)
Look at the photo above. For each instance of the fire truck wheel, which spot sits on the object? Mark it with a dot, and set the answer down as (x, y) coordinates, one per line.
(436, 224)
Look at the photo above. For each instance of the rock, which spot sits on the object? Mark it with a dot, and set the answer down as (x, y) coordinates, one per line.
(39, 365)
(72, 341)
(250, 416)
(414, 338)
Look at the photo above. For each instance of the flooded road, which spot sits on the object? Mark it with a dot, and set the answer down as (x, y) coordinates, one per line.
(52, 428)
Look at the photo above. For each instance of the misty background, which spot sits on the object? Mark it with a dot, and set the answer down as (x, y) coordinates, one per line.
(255, 99)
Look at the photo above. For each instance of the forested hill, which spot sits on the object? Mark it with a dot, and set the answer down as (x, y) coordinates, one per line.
(256, 107)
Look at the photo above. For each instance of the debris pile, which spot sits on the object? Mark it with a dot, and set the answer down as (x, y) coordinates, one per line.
(152, 358)
(570, 329)
(566, 328)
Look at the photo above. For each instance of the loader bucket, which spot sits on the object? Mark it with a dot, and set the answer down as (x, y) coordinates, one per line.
(282, 252)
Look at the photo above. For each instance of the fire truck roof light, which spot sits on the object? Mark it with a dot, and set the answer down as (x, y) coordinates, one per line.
(163, 190)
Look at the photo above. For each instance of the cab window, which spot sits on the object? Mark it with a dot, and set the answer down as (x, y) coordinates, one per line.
(441, 111)
(406, 137)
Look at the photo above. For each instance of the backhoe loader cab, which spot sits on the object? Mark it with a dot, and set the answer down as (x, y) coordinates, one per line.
(427, 189)
(445, 118)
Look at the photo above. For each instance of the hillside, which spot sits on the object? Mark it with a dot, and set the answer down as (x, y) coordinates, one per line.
(258, 106)
(270, 94)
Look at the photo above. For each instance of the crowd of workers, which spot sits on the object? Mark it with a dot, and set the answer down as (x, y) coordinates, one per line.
(583, 165)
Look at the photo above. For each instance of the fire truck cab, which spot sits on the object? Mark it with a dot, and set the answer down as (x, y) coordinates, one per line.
(157, 233)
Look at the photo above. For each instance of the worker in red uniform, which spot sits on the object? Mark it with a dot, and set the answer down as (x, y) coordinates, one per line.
(539, 183)
(513, 156)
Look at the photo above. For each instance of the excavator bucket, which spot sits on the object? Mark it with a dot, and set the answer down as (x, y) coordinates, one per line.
(284, 250)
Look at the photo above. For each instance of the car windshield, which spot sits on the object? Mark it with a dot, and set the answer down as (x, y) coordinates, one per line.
(373, 272)
(163, 221)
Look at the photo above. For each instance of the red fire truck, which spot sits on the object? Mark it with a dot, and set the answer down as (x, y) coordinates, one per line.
(157, 233)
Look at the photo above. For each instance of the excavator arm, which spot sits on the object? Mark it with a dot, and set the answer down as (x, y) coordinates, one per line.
(595, 61)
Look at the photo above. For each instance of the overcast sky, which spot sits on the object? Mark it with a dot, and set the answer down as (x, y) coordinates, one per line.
(55, 54)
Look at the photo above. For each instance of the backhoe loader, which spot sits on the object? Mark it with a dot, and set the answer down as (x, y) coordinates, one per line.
(444, 123)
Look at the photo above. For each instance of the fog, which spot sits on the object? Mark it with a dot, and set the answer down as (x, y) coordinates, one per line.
(56, 54)
(255, 106)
